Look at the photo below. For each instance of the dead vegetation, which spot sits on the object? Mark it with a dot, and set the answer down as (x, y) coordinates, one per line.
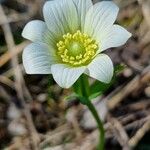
(33, 111)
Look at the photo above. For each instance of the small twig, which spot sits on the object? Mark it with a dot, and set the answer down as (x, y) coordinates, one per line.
(137, 123)
(136, 83)
(145, 9)
(19, 79)
(4, 94)
(7, 81)
(56, 138)
(9, 55)
(120, 133)
(139, 134)
(9, 73)
(125, 119)
(16, 18)
(67, 146)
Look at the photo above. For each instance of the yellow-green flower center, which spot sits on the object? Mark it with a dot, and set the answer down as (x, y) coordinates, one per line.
(76, 49)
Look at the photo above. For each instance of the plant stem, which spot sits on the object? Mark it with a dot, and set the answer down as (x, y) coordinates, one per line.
(99, 124)
(84, 90)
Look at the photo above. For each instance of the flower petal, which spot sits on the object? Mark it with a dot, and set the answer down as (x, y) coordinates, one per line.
(35, 31)
(66, 76)
(100, 18)
(61, 17)
(117, 36)
(101, 68)
(82, 8)
(37, 59)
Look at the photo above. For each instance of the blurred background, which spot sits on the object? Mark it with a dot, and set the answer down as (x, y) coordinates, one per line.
(36, 114)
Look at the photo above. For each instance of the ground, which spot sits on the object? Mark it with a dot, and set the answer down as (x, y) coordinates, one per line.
(34, 111)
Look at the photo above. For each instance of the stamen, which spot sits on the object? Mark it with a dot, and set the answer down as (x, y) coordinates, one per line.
(76, 49)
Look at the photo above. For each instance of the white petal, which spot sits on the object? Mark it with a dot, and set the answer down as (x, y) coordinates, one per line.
(37, 59)
(100, 18)
(117, 36)
(101, 68)
(61, 17)
(35, 31)
(82, 8)
(66, 76)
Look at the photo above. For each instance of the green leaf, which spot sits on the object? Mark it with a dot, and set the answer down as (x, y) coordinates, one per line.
(83, 89)
(97, 88)
(94, 95)
(119, 68)
(77, 88)
(72, 96)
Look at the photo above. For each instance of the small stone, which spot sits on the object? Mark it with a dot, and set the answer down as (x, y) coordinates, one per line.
(17, 129)
(147, 91)
(127, 72)
(13, 112)
(42, 97)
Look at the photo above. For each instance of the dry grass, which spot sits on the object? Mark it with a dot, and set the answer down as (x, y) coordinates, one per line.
(33, 109)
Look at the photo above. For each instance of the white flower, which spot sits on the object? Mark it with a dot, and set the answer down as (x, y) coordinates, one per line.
(71, 40)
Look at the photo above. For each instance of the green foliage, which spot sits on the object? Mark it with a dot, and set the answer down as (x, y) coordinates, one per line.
(72, 96)
(82, 88)
(119, 68)
(98, 88)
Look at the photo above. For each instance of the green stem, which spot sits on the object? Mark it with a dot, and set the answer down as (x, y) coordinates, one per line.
(84, 91)
(99, 124)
